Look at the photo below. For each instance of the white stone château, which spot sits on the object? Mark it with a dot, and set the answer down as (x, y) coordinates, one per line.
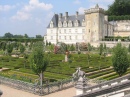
(90, 27)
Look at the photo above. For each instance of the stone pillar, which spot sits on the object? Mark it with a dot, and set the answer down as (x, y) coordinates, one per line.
(81, 86)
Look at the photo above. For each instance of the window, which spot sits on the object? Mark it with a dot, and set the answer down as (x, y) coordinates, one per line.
(65, 24)
(65, 37)
(83, 30)
(69, 30)
(89, 30)
(75, 37)
(75, 30)
(70, 37)
(82, 37)
(59, 30)
(70, 24)
(59, 37)
(64, 30)
(60, 24)
(51, 37)
(76, 23)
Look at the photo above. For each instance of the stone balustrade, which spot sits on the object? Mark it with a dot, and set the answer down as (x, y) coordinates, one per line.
(106, 87)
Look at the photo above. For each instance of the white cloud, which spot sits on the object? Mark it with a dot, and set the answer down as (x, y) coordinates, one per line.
(77, 2)
(6, 7)
(34, 4)
(21, 15)
(81, 10)
(25, 12)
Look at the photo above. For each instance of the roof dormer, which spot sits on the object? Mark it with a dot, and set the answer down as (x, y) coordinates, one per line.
(70, 23)
(51, 24)
(65, 24)
(76, 23)
(60, 24)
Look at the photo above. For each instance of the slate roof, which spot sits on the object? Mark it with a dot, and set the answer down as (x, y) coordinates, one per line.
(73, 18)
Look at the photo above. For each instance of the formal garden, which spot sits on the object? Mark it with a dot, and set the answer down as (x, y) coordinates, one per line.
(15, 64)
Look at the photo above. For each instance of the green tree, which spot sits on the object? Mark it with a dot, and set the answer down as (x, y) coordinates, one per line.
(8, 35)
(120, 59)
(3, 46)
(25, 35)
(72, 48)
(22, 48)
(100, 49)
(9, 48)
(39, 61)
(89, 47)
(25, 59)
(38, 36)
(119, 7)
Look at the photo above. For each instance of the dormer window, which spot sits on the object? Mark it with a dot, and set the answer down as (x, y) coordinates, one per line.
(60, 24)
(83, 22)
(65, 24)
(70, 24)
(51, 24)
(76, 23)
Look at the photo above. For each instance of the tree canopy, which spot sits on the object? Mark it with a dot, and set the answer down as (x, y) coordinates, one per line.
(38, 60)
(119, 7)
(120, 59)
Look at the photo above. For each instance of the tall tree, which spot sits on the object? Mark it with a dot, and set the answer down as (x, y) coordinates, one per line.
(9, 48)
(100, 49)
(39, 61)
(22, 48)
(120, 59)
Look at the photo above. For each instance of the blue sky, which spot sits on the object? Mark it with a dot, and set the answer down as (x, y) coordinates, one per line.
(32, 16)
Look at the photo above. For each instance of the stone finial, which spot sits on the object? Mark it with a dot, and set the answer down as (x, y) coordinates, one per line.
(97, 6)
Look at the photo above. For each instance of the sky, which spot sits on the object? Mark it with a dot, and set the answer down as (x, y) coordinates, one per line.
(31, 17)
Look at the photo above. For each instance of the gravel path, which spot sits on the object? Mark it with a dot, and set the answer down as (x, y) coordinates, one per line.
(11, 92)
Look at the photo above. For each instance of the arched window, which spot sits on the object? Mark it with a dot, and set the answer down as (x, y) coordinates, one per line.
(51, 24)
(70, 24)
(60, 24)
(76, 23)
(65, 24)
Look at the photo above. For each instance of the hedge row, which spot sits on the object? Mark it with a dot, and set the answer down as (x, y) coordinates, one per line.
(21, 40)
(101, 74)
(122, 17)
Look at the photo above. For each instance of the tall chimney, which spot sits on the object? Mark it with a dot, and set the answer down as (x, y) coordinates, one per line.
(60, 15)
(66, 15)
(77, 13)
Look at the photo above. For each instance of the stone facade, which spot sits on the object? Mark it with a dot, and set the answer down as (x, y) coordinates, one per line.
(122, 28)
(90, 27)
